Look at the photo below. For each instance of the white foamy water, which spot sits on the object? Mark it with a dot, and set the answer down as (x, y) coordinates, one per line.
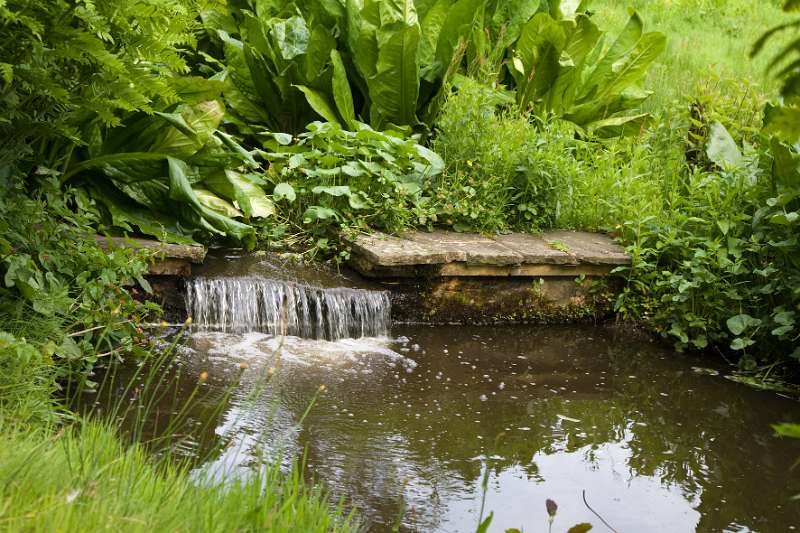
(263, 348)
(250, 304)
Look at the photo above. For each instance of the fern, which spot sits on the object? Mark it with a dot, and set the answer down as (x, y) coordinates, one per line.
(68, 63)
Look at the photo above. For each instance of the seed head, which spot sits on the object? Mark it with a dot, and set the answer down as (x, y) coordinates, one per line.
(203, 377)
(552, 507)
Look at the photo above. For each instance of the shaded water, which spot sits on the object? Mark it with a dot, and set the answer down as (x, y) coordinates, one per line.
(411, 424)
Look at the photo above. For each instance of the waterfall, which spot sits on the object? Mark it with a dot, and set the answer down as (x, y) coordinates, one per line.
(245, 304)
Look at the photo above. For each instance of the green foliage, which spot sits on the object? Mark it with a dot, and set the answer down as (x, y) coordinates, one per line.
(64, 63)
(391, 63)
(784, 120)
(724, 270)
(83, 478)
(707, 40)
(62, 297)
(329, 178)
(287, 65)
(563, 68)
(172, 175)
(503, 172)
(26, 383)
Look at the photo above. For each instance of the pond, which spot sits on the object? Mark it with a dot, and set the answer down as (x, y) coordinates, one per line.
(428, 425)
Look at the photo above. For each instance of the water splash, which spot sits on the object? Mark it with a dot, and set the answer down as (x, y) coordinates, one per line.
(249, 304)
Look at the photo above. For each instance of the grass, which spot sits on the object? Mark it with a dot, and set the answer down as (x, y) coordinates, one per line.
(81, 478)
(65, 472)
(706, 39)
(708, 61)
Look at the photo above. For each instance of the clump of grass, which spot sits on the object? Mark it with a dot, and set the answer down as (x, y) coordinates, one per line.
(81, 478)
(501, 172)
(117, 468)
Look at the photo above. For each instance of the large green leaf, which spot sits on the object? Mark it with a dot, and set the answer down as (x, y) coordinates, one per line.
(180, 190)
(153, 194)
(194, 89)
(192, 128)
(214, 202)
(604, 71)
(342, 94)
(562, 68)
(250, 197)
(784, 121)
(508, 18)
(318, 53)
(630, 68)
(241, 85)
(786, 167)
(242, 105)
(128, 167)
(431, 26)
(536, 58)
(362, 38)
(319, 102)
(721, 148)
(291, 36)
(395, 87)
(620, 126)
(457, 26)
(124, 212)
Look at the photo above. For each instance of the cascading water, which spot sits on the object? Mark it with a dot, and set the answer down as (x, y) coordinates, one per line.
(251, 304)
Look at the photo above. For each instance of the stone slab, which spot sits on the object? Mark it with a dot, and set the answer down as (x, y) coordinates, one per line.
(193, 254)
(445, 254)
(170, 259)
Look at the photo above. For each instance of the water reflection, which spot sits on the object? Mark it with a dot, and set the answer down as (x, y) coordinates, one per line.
(410, 426)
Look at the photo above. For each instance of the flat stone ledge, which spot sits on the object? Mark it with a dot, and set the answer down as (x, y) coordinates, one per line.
(449, 254)
(171, 259)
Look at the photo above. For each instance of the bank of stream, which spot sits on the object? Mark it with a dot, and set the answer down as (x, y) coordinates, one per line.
(412, 421)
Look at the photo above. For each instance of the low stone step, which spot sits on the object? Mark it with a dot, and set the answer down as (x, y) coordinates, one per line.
(446, 253)
(444, 277)
(171, 259)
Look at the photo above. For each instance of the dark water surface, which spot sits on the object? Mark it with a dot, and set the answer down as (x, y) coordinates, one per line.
(412, 424)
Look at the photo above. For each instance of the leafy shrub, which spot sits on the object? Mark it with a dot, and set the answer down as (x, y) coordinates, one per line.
(174, 174)
(736, 104)
(61, 293)
(329, 178)
(390, 64)
(502, 172)
(724, 270)
(383, 63)
(562, 67)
